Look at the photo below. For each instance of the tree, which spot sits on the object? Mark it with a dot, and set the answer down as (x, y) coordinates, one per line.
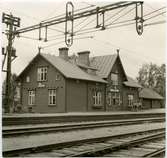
(153, 76)
(13, 91)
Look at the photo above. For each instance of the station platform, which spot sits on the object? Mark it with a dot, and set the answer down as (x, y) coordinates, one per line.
(36, 118)
(161, 110)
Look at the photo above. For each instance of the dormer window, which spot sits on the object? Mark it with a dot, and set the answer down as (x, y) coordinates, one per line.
(114, 79)
(42, 73)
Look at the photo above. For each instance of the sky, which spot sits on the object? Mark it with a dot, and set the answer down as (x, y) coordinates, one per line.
(135, 50)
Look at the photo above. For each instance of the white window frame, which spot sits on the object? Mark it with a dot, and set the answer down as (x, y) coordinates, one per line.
(31, 97)
(130, 99)
(97, 97)
(42, 74)
(52, 96)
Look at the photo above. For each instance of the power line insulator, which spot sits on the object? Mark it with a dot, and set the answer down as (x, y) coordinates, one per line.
(69, 24)
(139, 18)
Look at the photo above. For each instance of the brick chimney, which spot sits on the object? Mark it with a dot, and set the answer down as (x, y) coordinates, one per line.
(83, 57)
(63, 53)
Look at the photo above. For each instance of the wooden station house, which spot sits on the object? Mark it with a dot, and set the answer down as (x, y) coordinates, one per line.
(51, 84)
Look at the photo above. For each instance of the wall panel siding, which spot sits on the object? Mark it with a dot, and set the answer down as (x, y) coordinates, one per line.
(41, 99)
(76, 95)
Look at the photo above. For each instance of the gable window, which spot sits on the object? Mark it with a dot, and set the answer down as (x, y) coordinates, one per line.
(42, 73)
(130, 100)
(28, 79)
(52, 97)
(114, 79)
(97, 98)
(31, 97)
(57, 77)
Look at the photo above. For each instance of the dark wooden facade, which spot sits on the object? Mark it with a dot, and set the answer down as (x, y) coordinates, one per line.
(76, 94)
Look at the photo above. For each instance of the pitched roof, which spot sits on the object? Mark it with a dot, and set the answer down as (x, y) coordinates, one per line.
(70, 70)
(148, 93)
(103, 64)
(132, 83)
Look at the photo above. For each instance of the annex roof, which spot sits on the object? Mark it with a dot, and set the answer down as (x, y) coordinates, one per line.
(103, 64)
(70, 70)
(132, 83)
(148, 93)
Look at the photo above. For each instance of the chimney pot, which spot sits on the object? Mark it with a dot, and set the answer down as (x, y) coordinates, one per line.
(63, 53)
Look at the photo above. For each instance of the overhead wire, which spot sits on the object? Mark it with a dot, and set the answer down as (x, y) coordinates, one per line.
(154, 11)
(84, 8)
(115, 14)
(155, 15)
(79, 38)
(154, 8)
(121, 16)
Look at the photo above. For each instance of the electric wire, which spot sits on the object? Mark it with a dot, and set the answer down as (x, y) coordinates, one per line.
(154, 11)
(155, 23)
(53, 44)
(84, 8)
(155, 16)
(121, 16)
(115, 14)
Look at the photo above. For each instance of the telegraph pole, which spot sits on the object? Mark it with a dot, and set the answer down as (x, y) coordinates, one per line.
(11, 22)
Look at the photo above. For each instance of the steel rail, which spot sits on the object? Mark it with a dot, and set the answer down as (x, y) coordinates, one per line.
(69, 127)
(123, 145)
(155, 153)
(49, 147)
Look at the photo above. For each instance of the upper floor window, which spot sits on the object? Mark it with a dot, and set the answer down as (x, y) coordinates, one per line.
(114, 79)
(97, 98)
(42, 73)
(31, 97)
(52, 97)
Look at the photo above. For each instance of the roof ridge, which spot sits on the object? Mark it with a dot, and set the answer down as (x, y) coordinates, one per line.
(104, 55)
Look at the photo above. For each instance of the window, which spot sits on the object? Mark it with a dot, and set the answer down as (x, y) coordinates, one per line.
(28, 79)
(116, 99)
(97, 98)
(114, 79)
(130, 100)
(57, 77)
(109, 99)
(31, 97)
(42, 72)
(52, 97)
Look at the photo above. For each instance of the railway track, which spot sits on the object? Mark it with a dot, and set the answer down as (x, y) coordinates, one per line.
(94, 146)
(10, 132)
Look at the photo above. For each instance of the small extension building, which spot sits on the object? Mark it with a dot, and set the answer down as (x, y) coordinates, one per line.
(51, 84)
(150, 99)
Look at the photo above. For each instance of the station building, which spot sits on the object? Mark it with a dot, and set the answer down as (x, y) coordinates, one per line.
(76, 83)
